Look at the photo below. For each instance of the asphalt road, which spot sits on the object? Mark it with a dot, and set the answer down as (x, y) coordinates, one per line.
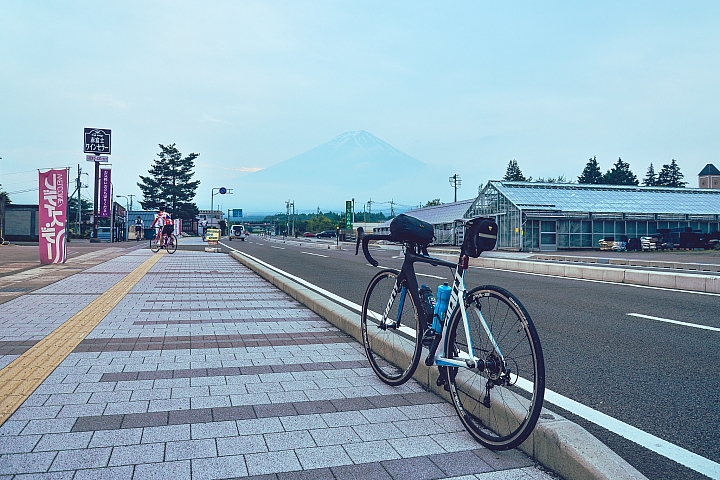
(659, 377)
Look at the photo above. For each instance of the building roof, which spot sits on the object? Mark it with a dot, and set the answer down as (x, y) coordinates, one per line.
(709, 170)
(531, 196)
(439, 214)
(446, 213)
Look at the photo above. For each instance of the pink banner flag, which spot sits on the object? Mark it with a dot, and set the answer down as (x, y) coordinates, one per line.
(53, 215)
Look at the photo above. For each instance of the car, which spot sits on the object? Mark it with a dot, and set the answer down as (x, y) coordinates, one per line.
(326, 234)
(237, 231)
(308, 234)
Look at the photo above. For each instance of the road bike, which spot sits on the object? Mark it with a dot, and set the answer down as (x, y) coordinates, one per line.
(487, 351)
(168, 242)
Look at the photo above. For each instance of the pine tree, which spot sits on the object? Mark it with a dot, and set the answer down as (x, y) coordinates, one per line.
(513, 173)
(670, 176)
(620, 174)
(591, 174)
(650, 179)
(169, 183)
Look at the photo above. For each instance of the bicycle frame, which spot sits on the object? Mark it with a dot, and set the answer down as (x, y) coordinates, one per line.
(407, 275)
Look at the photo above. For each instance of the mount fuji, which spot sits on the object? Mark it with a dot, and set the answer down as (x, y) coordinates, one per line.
(352, 165)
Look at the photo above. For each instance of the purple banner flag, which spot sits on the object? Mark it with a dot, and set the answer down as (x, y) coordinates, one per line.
(104, 199)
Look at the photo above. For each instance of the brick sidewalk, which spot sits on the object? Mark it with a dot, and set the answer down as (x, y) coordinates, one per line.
(199, 373)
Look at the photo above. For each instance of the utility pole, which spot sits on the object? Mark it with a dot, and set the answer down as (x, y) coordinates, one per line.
(370, 202)
(392, 210)
(293, 224)
(287, 218)
(131, 200)
(455, 181)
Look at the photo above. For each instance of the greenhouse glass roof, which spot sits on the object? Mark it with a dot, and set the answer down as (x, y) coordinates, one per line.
(609, 198)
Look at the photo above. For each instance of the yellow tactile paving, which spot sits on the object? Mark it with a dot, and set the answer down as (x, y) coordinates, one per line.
(23, 375)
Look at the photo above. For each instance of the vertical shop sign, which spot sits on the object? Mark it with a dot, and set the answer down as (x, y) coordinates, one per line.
(105, 192)
(53, 216)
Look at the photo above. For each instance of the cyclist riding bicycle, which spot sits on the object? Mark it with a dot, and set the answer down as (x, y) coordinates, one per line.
(163, 219)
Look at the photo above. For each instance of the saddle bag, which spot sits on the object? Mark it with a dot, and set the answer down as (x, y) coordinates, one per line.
(410, 229)
(480, 236)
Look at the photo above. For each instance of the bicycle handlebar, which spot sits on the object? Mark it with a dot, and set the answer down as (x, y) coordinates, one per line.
(365, 239)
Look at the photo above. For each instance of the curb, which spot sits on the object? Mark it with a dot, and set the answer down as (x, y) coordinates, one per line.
(556, 443)
(680, 281)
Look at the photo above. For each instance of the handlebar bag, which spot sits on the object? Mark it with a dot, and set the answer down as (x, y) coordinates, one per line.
(410, 229)
(480, 236)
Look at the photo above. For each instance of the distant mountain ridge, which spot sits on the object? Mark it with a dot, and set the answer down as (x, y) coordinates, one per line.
(352, 165)
(343, 161)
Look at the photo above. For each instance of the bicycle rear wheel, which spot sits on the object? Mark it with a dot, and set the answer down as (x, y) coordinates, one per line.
(498, 402)
(394, 345)
(155, 245)
(171, 243)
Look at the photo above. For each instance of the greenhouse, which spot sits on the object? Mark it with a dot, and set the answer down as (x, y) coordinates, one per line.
(551, 216)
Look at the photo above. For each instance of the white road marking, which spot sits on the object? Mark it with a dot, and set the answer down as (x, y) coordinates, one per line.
(315, 254)
(676, 322)
(279, 248)
(651, 442)
(431, 276)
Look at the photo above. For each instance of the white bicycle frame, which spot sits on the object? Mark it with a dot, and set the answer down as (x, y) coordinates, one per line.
(464, 359)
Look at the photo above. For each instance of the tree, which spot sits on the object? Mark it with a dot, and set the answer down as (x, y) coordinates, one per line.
(5, 195)
(670, 176)
(620, 174)
(591, 174)
(650, 179)
(433, 203)
(559, 179)
(513, 173)
(169, 183)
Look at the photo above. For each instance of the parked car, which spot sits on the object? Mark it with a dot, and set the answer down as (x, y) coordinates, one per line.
(308, 234)
(237, 231)
(326, 234)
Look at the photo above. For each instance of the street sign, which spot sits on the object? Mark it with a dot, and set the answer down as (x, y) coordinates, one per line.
(237, 212)
(97, 140)
(212, 236)
(348, 215)
(97, 158)
(222, 190)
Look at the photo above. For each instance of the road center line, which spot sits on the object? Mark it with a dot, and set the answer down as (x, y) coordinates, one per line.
(634, 434)
(675, 322)
(315, 254)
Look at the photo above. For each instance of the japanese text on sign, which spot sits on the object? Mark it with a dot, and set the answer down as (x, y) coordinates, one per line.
(53, 214)
(97, 140)
(105, 193)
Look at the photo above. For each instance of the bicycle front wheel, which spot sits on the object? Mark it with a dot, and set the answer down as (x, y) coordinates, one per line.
(391, 330)
(498, 401)
(155, 245)
(171, 244)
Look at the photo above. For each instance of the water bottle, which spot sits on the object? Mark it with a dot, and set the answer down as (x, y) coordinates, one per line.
(441, 306)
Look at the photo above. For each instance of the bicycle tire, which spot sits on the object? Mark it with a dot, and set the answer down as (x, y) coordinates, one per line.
(504, 415)
(154, 245)
(394, 353)
(171, 247)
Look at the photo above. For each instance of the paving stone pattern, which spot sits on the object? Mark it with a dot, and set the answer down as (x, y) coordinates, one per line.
(201, 374)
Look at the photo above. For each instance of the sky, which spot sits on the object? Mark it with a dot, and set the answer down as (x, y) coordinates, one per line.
(461, 86)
